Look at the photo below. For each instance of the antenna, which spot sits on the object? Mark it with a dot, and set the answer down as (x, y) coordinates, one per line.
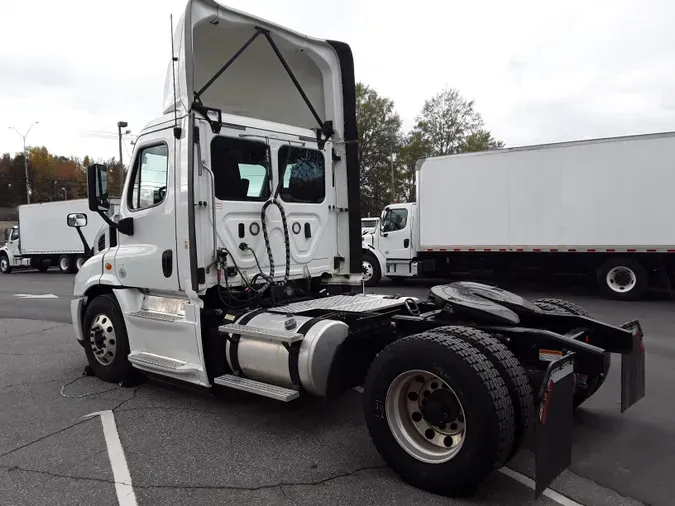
(176, 128)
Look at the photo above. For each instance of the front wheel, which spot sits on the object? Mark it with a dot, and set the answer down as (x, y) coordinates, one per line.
(5, 268)
(79, 261)
(105, 340)
(438, 413)
(371, 269)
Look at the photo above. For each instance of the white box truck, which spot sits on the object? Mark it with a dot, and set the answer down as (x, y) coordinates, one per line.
(601, 207)
(236, 264)
(43, 237)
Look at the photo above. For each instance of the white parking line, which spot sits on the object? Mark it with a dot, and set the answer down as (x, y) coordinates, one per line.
(528, 482)
(118, 462)
(36, 296)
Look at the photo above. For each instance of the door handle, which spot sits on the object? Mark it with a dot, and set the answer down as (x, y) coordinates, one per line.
(406, 243)
(167, 263)
(308, 231)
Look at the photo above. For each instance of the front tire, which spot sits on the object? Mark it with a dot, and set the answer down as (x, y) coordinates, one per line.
(5, 268)
(79, 261)
(451, 442)
(371, 269)
(105, 340)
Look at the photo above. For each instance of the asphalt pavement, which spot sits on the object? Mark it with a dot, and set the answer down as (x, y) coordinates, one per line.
(183, 447)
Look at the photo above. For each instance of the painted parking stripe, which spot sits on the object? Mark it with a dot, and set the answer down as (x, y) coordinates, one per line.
(528, 482)
(118, 462)
(36, 295)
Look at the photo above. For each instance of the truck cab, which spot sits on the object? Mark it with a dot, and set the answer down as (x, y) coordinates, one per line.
(10, 252)
(390, 250)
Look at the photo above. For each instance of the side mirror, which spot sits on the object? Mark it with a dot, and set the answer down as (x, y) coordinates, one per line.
(97, 187)
(77, 220)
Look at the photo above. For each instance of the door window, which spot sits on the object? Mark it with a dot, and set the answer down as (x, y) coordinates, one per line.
(15, 234)
(303, 175)
(240, 169)
(150, 177)
(396, 219)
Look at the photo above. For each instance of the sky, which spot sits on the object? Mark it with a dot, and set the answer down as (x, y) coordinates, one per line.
(538, 71)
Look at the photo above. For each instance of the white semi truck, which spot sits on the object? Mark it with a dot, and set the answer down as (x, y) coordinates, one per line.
(236, 264)
(43, 238)
(600, 208)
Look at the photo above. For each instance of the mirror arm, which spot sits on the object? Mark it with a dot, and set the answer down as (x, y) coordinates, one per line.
(124, 226)
(87, 250)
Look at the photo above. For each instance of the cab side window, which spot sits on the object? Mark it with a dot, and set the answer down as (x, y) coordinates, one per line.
(396, 219)
(15, 234)
(150, 177)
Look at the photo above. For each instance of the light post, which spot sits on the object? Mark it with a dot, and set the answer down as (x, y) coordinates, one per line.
(25, 156)
(65, 193)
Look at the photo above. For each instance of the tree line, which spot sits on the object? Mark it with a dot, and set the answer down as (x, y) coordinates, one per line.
(447, 124)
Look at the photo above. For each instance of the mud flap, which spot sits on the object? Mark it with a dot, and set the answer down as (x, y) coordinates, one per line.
(554, 423)
(633, 368)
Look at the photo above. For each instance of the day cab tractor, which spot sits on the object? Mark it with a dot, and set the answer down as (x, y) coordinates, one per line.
(234, 263)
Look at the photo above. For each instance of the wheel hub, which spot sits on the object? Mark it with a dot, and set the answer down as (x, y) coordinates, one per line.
(425, 416)
(440, 408)
(103, 339)
(367, 270)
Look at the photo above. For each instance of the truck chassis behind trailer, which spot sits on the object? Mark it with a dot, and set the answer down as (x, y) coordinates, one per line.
(185, 289)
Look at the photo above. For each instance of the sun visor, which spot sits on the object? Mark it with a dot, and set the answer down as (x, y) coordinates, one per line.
(256, 84)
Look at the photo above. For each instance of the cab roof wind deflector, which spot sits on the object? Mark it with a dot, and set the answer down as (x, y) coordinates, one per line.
(323, 133)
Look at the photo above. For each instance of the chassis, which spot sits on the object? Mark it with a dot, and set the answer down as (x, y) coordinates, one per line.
(454, 386)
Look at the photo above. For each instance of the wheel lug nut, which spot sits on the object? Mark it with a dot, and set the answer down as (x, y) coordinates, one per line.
(441, 425)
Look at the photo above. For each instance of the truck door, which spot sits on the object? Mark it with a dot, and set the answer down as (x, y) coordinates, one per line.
(395, 234)
(147, 259)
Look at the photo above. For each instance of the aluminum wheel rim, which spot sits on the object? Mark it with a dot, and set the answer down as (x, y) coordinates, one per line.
(103, 339)
(621, 279)
(4, 263)
(63, 264)
(78, 263)
(419, 437)
(368, 270)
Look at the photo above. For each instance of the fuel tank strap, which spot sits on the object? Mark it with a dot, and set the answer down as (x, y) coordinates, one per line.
(294, 351)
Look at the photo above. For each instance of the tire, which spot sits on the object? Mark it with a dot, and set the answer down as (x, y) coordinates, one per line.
(371, 268)
(513, 373)
(79, 261)
(485, 409)
(102, 315)
(43, 266)
(568, 306)
(5, 268)
(613, 275)
(593, 383)
(65, 264)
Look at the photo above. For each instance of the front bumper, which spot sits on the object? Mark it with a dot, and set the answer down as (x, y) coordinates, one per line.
(76, 307)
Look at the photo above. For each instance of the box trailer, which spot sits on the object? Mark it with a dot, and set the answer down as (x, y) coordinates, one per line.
(601, 207)
(43, 237)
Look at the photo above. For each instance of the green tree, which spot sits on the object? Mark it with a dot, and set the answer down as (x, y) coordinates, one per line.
(413, 149)
(449, 123)
(481, 140)
(379, 137)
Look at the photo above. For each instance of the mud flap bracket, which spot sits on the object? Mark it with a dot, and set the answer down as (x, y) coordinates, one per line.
(554, 423)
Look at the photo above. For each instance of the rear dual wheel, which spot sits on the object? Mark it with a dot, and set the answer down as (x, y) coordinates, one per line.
(439, 412)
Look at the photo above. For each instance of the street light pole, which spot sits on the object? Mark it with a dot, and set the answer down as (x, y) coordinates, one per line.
(25, 157)
(120, 126)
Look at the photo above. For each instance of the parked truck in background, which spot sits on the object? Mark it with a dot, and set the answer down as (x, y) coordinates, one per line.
(600, 207)
(43, 237)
